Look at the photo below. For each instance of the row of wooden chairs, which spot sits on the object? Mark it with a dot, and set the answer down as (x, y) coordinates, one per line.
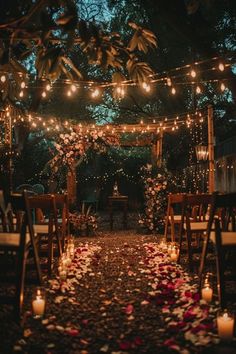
(203, 219)
(35, 221)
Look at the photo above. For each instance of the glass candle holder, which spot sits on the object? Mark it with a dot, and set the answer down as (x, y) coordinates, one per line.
(174, 254)
(225, 325)
(207, 292)
(38, 302)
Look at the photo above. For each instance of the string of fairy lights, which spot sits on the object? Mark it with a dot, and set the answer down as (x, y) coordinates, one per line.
(187, 75)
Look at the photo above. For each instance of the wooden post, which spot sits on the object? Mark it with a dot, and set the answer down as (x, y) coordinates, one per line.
(71, 184)
(211, 178)
(160, 149)
(154, 152)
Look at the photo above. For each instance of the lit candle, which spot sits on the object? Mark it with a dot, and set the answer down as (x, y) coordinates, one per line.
(62, 274)
(174, 255)
(38, 304)
(225, 324)
(207, 293)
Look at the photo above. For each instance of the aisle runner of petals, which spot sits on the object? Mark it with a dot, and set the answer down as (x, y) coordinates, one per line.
(65, 291)
(189, 320)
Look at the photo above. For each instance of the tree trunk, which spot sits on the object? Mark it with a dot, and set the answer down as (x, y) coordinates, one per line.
(71, 185)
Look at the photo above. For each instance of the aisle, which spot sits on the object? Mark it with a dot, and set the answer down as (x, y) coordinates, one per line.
(123, 295)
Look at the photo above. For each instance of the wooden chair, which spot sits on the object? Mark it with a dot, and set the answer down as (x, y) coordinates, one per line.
(194, 221)
(222, 217)
(15, 247)
(62, 207)
(173, 219)
(47, 228)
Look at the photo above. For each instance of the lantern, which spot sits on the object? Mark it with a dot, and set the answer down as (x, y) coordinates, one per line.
(201, 152)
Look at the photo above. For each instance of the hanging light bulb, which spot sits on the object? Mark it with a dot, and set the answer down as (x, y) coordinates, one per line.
(193, 73)
(146, 87)
(221, 67)
(21, 94)
(69, 93)
(73, 88)
(222, 86)
(22, 85)
(44, 94)
(173, 91)
(95, 93)
(48, 87)
(3, 78)
(168, 81)
(198, 89)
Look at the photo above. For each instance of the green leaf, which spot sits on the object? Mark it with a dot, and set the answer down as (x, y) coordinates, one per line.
(72, 66)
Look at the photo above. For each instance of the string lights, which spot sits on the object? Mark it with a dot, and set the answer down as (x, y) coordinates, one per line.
(178, 76)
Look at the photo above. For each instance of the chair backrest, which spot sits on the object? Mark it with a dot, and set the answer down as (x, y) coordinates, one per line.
(224, 207)
(46, 204)
(196, 206)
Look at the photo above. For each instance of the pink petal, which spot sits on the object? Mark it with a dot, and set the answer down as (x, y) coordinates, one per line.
(129, 309)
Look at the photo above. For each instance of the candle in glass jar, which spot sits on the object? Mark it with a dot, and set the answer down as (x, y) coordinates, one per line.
(207, 293)
(225, 324)
(38, 304)
(174, 256)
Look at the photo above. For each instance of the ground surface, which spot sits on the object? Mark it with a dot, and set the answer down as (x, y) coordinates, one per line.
(123, 296)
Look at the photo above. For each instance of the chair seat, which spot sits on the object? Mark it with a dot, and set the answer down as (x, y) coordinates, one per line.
(197, 226)
(11, 239)
(176, 218)
(42, 228)
(228, 238)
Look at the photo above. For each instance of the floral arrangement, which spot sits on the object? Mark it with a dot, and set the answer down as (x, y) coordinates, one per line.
(83, 221)
(73, 145)
(155, 195)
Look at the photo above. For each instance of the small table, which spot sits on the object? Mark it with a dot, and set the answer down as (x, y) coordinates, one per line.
(123, 201)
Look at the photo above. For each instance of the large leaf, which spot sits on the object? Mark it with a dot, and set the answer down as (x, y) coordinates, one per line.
(72, 66)
(142, 39)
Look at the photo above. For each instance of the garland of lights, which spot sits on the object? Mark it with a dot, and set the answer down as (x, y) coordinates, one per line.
(171, 78)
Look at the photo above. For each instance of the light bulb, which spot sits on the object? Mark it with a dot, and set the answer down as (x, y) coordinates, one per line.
(222, 86)
(22, 85)
(95, 93)
(69, 93)
(173, 91)
(193, 73)
(168, 81)
(221, 67)
(21, 94)
(73, 88)
(198, 89)
(48, 87)
(44, 94)
(3, 78)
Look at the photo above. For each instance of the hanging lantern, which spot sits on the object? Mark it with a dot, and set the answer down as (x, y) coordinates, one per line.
(201, 152)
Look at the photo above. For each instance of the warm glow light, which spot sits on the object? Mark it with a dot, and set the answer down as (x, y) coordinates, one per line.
(221, 67)
(48, 87)
(222, 86)
(95, 93)
(168, 81)
(69, 93)
(73, 88)
(146, 87)
(173, 91)
(21, 94)
(44, 94)
(193, 73)
(22, 85)
(198, 89)
(3, 78)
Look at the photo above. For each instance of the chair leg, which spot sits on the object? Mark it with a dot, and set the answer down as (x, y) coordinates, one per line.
(50, 254)
(189, 250)
(203, 260)
(36, 260)
(20, 280)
